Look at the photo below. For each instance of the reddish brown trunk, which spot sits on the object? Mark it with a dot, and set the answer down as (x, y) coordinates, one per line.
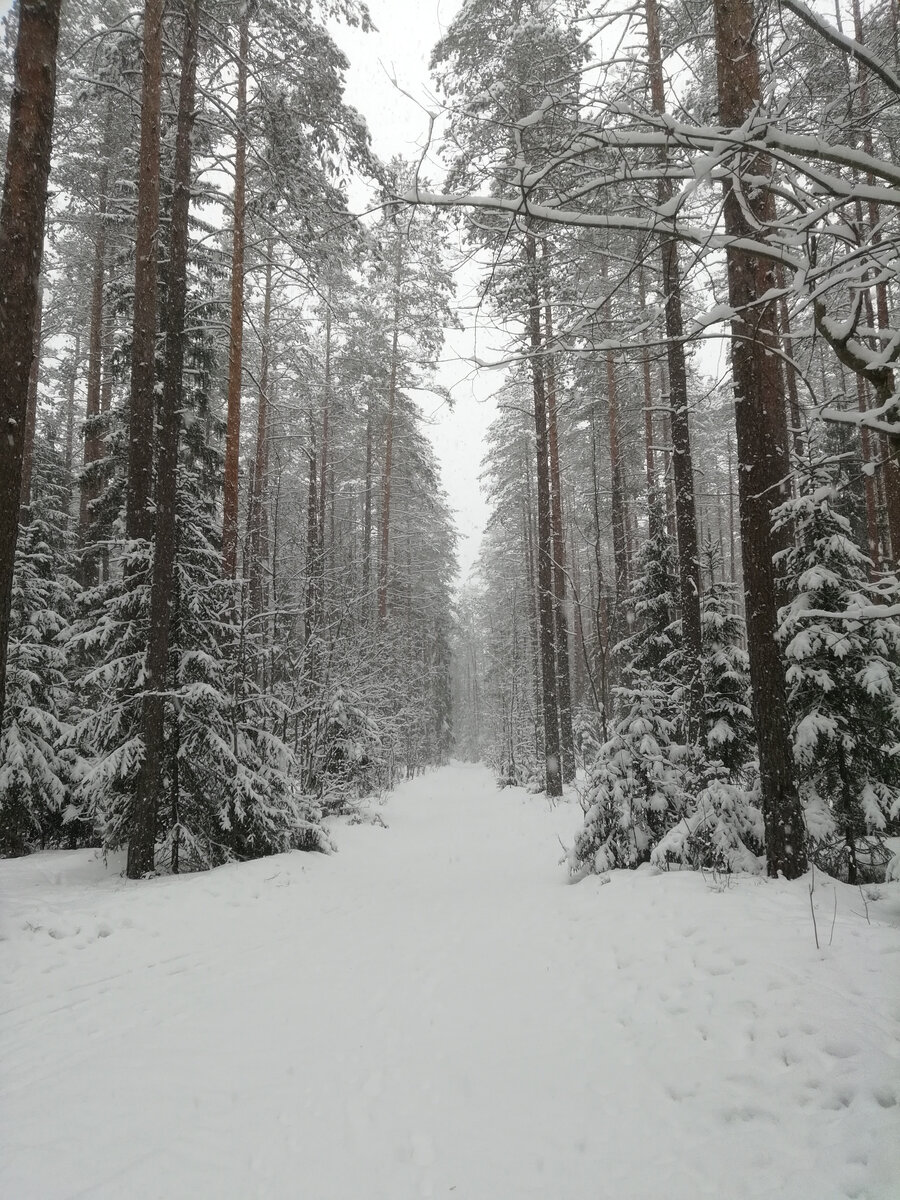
(236, 334)
(21, 245)
(762, 441)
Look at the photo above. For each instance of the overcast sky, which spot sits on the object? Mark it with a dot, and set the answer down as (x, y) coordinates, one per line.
(397, 114)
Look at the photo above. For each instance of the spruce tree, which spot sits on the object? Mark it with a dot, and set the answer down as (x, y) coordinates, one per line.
(843, 674)
(37, 763)
(635, 790)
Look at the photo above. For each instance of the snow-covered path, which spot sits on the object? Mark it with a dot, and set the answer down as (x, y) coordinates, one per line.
(433, 1012)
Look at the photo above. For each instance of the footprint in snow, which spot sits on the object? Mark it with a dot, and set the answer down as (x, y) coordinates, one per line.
(840, 1048)
(885, 1097)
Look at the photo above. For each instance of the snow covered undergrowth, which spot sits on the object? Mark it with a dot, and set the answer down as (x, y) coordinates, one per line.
(434, 1012)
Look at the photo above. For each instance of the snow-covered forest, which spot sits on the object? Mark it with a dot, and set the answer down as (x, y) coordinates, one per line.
(233, 625)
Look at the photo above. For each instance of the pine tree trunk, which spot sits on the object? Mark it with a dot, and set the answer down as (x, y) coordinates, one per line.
(762, 439)
(326, 546)
(93, 443)
(550, 699)
(534, 611)
(384, 554)
(149, 790)
(313, 554)
(872, 538)
(367, 509)
(139, 487)
(236, 336)
(258, 508)
(649, 462)
(21, 246)
(70, 404)
(563, 670)
(31, 410)
(682, 459)
(790, 370)
(617, 482)
(619, 516)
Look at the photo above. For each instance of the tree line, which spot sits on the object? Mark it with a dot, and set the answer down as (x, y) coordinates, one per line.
(689, 585)
(226, 558)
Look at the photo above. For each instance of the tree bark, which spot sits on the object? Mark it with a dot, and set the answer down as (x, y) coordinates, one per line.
(149, 789)
(563, 669)
(258, 508)
(762, 437)
(552, 749)
(236, 337)
(70, 403)
(21, 245)
(326, 547)
(367, 508)
(384, 555)
(93, 443)
(31, 410)
(139, 487)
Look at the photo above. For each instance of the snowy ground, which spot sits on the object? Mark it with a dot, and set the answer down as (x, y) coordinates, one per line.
(434, 1012)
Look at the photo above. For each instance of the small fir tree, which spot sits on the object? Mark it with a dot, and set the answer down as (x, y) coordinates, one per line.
(722, 827)
(636, 786)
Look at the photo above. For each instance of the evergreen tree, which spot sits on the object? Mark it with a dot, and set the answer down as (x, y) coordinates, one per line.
(635, 790)
(37, 764)
(722, 827)
(725, 671)
(843, 674)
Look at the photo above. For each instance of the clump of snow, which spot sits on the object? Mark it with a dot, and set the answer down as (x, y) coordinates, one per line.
(434, 1011)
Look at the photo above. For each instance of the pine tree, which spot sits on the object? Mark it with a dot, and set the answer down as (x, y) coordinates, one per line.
(843, 674)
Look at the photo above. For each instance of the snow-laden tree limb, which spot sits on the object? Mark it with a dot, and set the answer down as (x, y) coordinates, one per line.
(843, 42)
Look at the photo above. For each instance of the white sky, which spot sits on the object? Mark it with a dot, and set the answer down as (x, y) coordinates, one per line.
(400, 50)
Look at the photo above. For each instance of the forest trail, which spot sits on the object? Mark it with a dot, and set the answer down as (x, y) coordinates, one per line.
(434, 1012)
